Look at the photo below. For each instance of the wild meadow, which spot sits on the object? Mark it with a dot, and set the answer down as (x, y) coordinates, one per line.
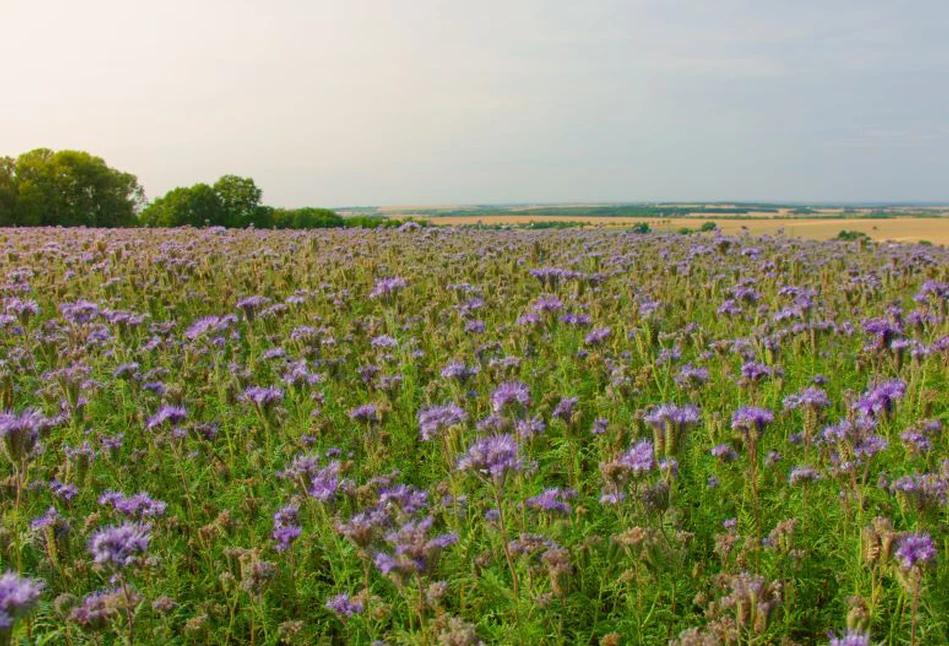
(446, 436)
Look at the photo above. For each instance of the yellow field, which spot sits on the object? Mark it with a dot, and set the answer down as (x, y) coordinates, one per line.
(935, 230)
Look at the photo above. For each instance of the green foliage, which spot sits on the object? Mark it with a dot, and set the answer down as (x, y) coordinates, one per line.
(565, 224)
(640, 227)
(66, 188)
(851, 236)
(306, 218)
(240, 198)
(232, 202)
(8, 191)
(371, 222)
(708, 226)
(197, 206)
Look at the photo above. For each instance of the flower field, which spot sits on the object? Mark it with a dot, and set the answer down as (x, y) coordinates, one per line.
(441, 436)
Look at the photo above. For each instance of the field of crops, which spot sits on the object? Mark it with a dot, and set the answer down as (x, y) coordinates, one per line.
(447, 436)
(898, 229)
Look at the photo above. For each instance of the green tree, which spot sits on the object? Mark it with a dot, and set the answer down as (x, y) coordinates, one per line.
(306, 218)
(241, 200)
(197, 206)
(8, 191)
(73, 188)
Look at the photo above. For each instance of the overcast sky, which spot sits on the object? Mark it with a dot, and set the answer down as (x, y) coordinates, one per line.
(366, 102)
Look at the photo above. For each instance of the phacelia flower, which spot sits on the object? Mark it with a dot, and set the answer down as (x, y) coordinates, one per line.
(120, 545)
(434, 421)
(18, 595)
(915, 551)
(494, 457)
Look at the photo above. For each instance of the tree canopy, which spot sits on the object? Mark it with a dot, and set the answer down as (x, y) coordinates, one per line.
(66, 188)
(231, 201)
(43, 187)
(197, 206)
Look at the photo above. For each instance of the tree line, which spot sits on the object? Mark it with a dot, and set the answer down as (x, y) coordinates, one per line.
(68, 188)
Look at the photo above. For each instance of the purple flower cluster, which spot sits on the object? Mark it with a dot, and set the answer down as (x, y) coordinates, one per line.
(511, 396)
(20, 434)
(263, 397)
(493, 457)
(120, 545)
(751, 421)
(813, 398)
(167, 414)
(880, 400)
(18, 596)
(432, 422)
(344, 606)
(915, 551)
(552, 500)
(851, 638)
(414, 549)
(388, 287)
(286, 527)
(137, 506)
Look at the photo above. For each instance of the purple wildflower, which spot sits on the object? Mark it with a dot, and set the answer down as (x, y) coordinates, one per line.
(415, 550)
(724, 452)
(915, 551)
(494, 457)
(18, 595)
(802, 474)
(547, 305)
(511, 394)
(679, 417)
(433, 421)
(120, 545)
(384, 341)
(138, 506)
(851, 638)
(639, 458)
(552, 500)
(264, 398)
(459, 371)
(528, 428)
(387, 287)
(564, 408)
(65, 491)
(367, 413)
(174, 415)
(250, 305)
(751, 421)
(881, 399)
(20, 433)
(813, 398)
(598, 336)
(286, 527)
(691, 377)
(600, 426)
(98, 609)
(344, 606)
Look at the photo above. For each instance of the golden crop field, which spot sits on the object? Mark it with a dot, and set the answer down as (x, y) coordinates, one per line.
(908, 229)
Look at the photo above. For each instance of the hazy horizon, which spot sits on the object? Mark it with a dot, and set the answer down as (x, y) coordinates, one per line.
(423, 102)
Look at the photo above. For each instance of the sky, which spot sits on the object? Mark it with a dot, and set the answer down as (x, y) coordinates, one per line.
(371, 102)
